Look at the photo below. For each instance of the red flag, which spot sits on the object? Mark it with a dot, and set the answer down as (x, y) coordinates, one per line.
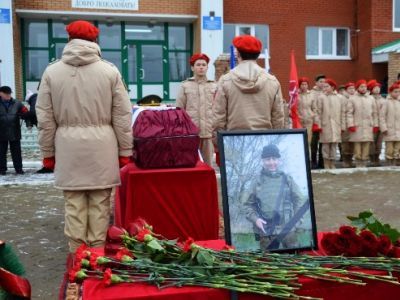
(294, 93)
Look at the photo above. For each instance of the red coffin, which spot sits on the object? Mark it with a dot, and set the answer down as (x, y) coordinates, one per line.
(165, 138)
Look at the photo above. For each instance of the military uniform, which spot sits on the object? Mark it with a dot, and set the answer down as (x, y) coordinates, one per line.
(275, 198)
(376, 145)
(316, 148)
(196, 97)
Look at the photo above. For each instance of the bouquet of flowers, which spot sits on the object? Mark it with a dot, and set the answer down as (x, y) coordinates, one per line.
(144, 256)
(367, 237)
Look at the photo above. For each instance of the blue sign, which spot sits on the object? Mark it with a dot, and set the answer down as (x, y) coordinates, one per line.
(4, 15)
(212, 23)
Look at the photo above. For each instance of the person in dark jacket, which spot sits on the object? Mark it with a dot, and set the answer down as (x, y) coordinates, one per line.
(31, 100)
(11, 112)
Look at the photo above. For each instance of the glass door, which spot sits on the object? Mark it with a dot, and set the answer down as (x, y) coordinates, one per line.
(145, 66)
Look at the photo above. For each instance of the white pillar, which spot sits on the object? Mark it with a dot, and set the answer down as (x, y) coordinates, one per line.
(211, 33)
(7, 72)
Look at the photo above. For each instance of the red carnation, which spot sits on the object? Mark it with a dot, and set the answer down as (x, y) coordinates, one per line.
(72, 273)
(82, 252)
(123, 252)
(93, 261)
(142, 234)
(384, 245)
(107, 277)
(188, 244)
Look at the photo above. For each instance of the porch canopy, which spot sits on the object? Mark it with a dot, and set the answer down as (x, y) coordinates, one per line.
(380, 54)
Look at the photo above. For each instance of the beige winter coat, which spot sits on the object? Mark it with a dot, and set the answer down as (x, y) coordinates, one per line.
(84, 118)
(305, 109)
(379, 101)
(315, 93)
(248, 98)
(345, 134)
(362, 113)
(389, 117)
(196, 97)
(330, 116)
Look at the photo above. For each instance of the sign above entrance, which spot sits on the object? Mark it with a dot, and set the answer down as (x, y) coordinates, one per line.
(212, 23)
(107, 4)
(4, 15)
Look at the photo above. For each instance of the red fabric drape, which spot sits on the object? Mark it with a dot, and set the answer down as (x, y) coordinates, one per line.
(178, 203)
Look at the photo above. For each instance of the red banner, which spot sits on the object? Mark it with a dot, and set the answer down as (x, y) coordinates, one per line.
(294, 93)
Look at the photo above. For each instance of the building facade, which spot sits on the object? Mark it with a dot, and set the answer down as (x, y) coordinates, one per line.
(151, 41)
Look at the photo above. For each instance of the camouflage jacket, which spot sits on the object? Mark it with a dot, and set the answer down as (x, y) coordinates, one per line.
(264, 202)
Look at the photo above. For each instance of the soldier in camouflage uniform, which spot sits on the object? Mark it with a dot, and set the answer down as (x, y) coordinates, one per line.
(274, 199)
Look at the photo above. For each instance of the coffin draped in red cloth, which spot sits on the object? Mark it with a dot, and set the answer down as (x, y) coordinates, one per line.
(179, 202)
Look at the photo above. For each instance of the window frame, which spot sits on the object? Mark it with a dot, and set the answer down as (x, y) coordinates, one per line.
(321, 56)
(253, 33)
(394, 28)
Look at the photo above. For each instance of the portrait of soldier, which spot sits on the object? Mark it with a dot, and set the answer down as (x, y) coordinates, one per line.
(276, 204)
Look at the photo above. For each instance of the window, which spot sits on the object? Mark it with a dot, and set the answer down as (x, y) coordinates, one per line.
(258, 30)
(327, 43)
(396, 15)
(138, 31)
(179, 50)
(36, 33)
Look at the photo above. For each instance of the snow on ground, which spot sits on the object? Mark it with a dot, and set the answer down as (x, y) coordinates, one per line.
(30, 177)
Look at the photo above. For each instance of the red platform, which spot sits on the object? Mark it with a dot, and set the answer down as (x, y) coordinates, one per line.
(177, 202)
(94, 289)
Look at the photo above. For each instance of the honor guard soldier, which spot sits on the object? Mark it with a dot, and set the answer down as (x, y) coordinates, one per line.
(84, 121)
(196, 96)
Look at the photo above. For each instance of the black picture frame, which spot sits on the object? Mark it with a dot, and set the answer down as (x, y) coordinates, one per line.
(240, 156)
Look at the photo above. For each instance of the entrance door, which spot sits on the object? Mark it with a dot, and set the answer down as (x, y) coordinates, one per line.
(145, 68)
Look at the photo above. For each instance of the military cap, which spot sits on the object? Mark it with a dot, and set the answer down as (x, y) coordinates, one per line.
(320, 76)
(247, 43)
(394, 86)
(360, 82)
(149, 100)
(82, 30)
(270, 151)
(198, 56)
(331, 82)
(373, 83)
(6, 89)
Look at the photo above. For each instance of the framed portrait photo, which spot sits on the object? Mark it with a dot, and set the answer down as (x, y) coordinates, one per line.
(267, 190)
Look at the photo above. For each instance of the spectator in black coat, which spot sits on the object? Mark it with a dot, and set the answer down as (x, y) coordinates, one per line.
(31, 100)
(11, 112)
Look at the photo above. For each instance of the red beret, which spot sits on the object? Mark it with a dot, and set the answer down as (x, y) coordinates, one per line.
(394, 86)
(373, 83)
(360, 82)
(247, 43)
(198, 56)
(331, 82)
(303, 79)
(82, 30)
(349, 84)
